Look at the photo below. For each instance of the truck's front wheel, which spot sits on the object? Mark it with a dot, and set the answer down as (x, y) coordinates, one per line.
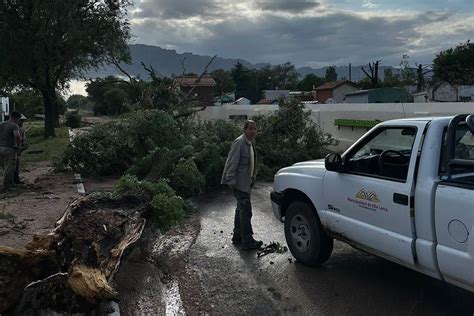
(307, 240)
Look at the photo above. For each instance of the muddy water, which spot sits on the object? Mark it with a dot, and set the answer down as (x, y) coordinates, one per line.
(174, 305)
(349, 283)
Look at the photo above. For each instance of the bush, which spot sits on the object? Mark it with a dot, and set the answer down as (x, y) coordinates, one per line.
(167, 207)
(289, 136)
(73, 119)
(79, 102)
(112, 148)
(212, 140)
(186, 179)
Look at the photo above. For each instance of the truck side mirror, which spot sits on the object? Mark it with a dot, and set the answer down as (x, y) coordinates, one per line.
(333, 162)
(470, 122)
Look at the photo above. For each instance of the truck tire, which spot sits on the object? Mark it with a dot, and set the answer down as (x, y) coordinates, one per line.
(305, 236)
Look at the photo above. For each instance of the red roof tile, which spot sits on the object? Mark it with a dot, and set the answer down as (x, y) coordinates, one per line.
(334, 84)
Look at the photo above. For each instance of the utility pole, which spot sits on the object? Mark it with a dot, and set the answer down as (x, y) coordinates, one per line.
(350, 72)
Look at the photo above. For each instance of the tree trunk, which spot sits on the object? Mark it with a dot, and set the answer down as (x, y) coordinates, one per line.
(50, 111)
(71, 269)
(56, 114)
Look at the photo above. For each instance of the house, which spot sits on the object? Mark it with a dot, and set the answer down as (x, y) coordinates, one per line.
(275, 94)
(203, 91)
(465, 93)
(303, 96)
(334, 92)
(225, 99)
(242, 101)
(267, 102)
(5, 110)
(381, 95)
(443, 92)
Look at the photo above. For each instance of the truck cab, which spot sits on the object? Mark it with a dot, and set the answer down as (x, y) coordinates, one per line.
(404, 192)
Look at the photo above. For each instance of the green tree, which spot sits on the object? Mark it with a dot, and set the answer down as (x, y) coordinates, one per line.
(224, 81)
(310, 81)
(285, 76)
(455, 65)
(365, 83)
(407, 72)
(115, 101)
(240, 75)
(331, 74)
(79, 102)
(46, 43)
(391, 80)
(27, 101)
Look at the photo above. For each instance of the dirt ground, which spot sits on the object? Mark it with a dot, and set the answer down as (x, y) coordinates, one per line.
(155, 278)
(35, 206)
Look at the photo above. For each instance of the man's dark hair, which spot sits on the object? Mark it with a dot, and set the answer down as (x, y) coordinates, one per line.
(15, 115)
(248, 123)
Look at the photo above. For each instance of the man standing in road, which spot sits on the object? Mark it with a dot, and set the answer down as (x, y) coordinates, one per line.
(239, 174)
(10, 144)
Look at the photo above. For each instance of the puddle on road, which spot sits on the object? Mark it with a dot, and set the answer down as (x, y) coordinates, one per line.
(174, 305)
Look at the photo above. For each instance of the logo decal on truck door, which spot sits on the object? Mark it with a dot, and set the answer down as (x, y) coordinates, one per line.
(370, 196)
(368, 200)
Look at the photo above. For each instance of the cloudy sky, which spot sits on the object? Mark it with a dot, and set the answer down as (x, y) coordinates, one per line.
(306, 32)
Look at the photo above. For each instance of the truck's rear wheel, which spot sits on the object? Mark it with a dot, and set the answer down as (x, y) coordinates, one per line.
(307, 240)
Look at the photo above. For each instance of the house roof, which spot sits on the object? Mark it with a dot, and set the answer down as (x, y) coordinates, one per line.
(335, 84)
(264, 101)
(189, 81)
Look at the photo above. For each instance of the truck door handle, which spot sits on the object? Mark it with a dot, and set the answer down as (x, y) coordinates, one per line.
(401, 199)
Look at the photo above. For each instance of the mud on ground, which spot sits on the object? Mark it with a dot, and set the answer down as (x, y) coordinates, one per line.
(34, 208)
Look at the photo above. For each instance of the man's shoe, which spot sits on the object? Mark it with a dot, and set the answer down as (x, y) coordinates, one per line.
(254, 244)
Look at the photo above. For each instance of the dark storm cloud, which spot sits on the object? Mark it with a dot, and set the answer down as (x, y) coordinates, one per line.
(320, 38)
(286, 6)
(175, 9)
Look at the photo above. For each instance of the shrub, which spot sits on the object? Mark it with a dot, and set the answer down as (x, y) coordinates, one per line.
(289, 136)
(186, 179)
(73, 119)
(212, 140)
(112, 148)
(167, 207)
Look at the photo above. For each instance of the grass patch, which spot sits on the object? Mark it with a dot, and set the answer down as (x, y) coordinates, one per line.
(42, 149)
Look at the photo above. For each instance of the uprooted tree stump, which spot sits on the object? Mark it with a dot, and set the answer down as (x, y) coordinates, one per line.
(71, 269)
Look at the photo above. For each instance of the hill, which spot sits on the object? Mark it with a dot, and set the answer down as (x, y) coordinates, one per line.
(168, 62)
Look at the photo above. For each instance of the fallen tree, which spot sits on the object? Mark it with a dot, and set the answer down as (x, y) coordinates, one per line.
(71, 270)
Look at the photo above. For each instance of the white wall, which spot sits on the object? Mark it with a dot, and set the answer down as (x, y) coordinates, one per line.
(325, 114)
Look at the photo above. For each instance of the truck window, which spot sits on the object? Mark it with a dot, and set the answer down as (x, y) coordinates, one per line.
(464, 148)
(386, 154)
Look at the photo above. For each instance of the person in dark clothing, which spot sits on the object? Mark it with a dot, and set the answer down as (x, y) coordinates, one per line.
(10, 145)
(24, 146)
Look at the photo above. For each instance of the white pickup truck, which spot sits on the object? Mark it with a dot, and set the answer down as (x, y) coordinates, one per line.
(404, 192)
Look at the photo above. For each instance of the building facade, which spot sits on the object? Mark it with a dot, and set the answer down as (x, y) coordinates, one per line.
(334, 92)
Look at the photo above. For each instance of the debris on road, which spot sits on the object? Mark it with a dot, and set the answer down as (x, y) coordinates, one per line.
(71, 269)
(273, 247)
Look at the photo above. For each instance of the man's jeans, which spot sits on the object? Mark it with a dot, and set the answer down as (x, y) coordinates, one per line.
(243, 217)
(8, 161)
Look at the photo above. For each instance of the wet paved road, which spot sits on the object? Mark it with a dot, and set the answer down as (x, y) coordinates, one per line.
(350, 283)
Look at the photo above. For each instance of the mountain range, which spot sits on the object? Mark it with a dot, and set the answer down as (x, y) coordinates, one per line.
(168, 62)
